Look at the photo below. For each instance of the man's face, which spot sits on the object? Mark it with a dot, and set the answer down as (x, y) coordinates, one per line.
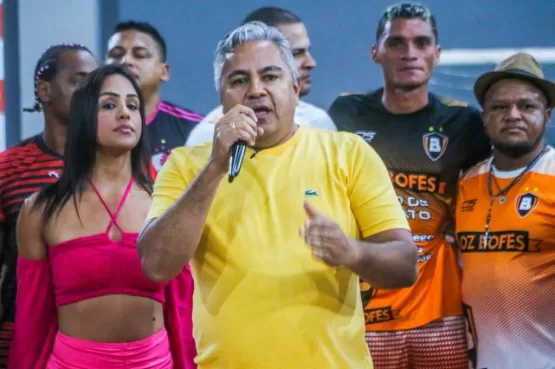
(74, 65)
(255, 75)
(297, 35)
(516, 116)
(142, 55)
(407, 52)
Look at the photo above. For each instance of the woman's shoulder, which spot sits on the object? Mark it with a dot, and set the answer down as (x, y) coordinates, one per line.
(30, 242)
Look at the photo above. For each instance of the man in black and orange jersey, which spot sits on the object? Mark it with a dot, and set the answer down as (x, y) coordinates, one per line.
(37, 161)
(425, 142)
(505, 221)
(140, 47)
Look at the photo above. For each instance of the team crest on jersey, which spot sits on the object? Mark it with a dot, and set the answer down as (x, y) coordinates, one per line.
(367, 136)
(526, 203)
(435, 145)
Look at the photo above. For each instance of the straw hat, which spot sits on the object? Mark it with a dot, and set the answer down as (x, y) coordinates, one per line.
(521, 66)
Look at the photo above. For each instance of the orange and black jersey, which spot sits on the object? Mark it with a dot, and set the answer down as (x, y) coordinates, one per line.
(425, 152)
(24, 170)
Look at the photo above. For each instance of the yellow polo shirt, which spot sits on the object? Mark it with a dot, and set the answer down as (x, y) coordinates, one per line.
(261, 301)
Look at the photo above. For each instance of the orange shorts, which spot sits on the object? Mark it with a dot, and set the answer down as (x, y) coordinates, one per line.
(440, 344)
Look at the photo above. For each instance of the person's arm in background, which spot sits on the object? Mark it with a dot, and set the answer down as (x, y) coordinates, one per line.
(319, 118)
(479, 148)
(342, 114)
(204, 130)
(479, 145)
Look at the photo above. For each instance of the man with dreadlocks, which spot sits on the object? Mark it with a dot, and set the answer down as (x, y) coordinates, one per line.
(37, 161)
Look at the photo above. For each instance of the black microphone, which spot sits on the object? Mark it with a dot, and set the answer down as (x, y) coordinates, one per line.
(236, 155)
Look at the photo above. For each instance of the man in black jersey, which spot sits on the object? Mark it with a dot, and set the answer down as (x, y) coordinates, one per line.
(140, 47)
(37, 161)
(425, 141)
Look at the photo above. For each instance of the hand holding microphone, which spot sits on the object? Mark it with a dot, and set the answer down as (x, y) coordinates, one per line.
(233, 132)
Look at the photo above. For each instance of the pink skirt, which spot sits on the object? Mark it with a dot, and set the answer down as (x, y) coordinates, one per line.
(72, 353)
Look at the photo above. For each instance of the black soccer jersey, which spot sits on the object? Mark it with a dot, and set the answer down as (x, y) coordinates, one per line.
(424, 152)
(168, 128)
(24, 170)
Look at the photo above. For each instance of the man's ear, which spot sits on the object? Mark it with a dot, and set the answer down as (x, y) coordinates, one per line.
(165, 75)
(44, 91)
(374, 54)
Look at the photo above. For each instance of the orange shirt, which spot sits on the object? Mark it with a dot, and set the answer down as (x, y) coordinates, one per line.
(509, 283)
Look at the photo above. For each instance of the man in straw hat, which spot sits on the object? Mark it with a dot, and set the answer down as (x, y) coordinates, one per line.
(505, 222)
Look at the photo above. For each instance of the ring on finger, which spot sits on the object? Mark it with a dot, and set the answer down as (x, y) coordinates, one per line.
(232, 124)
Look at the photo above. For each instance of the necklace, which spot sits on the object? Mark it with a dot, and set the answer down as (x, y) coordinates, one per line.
(502, 192)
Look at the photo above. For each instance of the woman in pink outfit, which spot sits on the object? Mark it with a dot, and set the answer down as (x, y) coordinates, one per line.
(83, 301)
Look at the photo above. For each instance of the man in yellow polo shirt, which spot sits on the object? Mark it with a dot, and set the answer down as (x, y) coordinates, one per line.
(276, 255)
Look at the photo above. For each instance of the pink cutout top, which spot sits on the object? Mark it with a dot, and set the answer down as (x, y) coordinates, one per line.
(95, 265)
(86, 267)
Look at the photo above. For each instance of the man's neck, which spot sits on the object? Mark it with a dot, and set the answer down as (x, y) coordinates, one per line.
(151, 102)
(268, 145)
(54, 135)
(399, 101)
(506, 163)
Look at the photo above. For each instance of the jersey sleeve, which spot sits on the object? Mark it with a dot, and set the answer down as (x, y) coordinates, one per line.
(479, 147)
(373, 199)
(171, 182)
(342, 114)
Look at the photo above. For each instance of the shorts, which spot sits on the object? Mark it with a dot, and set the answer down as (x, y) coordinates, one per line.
(150, 353)
(440, 344)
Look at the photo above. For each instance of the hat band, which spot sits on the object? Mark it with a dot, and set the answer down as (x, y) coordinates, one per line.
(521, 71)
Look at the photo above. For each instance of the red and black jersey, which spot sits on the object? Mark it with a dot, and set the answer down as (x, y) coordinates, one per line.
(24, 170)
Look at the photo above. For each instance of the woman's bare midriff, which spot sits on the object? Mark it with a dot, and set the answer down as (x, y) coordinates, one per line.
(111, 318)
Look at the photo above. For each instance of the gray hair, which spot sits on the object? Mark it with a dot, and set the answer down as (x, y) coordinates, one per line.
(252, 31)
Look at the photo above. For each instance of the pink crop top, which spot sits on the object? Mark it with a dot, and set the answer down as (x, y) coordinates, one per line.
(95, 265)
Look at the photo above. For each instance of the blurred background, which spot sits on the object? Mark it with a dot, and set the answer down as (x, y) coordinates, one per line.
(474, 34)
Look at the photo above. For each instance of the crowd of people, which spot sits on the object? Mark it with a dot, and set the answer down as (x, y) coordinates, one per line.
(398, 229)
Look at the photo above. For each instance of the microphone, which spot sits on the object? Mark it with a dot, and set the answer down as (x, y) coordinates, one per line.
(236, 155)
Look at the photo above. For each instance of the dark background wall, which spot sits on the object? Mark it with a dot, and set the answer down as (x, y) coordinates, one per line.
(341, 35)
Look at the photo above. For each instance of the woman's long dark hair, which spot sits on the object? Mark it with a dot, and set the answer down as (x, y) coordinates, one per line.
(82, 144)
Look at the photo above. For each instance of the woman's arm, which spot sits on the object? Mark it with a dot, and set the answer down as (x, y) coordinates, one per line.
(36, 322)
